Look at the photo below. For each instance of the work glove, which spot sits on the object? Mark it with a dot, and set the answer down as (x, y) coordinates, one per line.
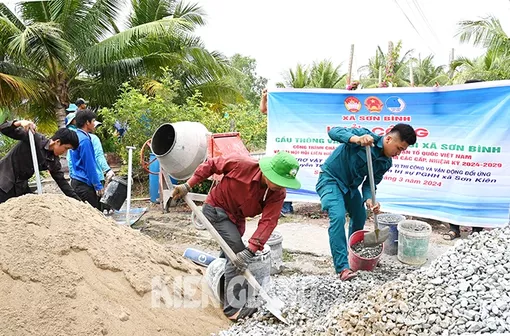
(180, 191)
(110, 174)
(242, 259)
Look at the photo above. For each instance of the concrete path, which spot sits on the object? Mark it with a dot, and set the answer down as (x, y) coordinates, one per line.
(312, 238)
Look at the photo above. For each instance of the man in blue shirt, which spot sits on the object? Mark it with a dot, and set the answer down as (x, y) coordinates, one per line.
(344, 171)
(84, 178)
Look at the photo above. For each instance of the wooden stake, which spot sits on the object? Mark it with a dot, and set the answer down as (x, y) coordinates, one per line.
(349, 73)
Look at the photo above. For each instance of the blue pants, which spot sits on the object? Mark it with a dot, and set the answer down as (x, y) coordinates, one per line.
(337, 204)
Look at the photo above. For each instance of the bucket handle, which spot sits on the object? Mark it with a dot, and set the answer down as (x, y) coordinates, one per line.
(146, 164)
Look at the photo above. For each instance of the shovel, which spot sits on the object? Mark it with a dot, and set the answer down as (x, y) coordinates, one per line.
(34, 160)
(378, 236)
(274, 305)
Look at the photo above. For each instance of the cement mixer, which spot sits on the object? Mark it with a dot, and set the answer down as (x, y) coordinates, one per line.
(180, 147)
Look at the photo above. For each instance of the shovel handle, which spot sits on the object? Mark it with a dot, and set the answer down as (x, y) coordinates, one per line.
(371, 180)
(224, 246)
(35, 162)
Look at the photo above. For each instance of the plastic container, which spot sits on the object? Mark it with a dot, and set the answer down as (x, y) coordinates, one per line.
(413, 242)
(115, 193)
(275, 244)
(154, 179)
(260, 268)
(198, 257)
(391, 221)
(180, 147)
(357, 262)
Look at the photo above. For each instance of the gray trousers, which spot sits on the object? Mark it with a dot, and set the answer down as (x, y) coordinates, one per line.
(236, 289)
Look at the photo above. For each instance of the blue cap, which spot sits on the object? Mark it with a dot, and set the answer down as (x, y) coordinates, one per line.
(70, 118)
(72, 108)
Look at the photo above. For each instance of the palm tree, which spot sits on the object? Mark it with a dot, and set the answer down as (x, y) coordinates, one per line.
(425, 73)
(324, 74)
(495, 64)
(369, 74)
(491, 66)
(298, 78)
(486, 33)
(60, 49)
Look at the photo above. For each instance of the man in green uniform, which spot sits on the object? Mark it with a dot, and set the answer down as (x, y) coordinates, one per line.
(344, 171)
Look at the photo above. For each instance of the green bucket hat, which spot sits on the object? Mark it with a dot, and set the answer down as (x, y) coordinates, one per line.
(281, 170)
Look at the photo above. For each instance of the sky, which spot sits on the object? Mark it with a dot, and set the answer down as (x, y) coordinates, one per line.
(279, 34)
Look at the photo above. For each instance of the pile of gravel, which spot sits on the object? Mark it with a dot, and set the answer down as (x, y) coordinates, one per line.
(466, 290)
(310, 297)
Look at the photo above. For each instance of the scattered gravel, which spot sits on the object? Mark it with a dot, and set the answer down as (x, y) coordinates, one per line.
(389, 218)
(466, 290)
(366, 252)
(310, 297)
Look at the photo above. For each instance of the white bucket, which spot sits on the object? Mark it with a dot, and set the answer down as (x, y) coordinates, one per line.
(260, 267)
(180, 147)
(413, 242)
(275, 243)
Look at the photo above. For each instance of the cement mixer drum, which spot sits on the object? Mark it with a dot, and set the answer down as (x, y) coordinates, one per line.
(180, 147)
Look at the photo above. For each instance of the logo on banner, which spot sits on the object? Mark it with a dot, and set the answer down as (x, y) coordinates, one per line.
(373, 104)
(395, 104)
(352, 104)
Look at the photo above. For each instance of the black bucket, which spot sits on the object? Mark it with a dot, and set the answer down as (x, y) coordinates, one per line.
(115, 193)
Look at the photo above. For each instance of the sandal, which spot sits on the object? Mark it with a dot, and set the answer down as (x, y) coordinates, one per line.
(243, 313)
(347, 274)
(451, 235)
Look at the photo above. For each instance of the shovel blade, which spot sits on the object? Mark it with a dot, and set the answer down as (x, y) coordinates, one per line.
(274, 305)
(377, 237)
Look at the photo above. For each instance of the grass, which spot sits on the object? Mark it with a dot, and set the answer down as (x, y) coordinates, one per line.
(287, 256)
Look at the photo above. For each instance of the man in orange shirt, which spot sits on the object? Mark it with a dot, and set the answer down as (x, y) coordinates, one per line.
(247, 189)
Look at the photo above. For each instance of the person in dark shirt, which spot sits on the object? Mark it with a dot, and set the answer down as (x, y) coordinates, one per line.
(17, 167)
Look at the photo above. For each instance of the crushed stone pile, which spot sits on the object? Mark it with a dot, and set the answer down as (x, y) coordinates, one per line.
(466, 290)
(68, 270)
(309, 297)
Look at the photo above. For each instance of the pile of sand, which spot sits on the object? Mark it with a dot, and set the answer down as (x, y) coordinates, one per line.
(68, 270)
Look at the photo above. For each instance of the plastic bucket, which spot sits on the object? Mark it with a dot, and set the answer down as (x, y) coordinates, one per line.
(391, 221)
(413, 241)
(260, 268)
(180, 147)
(198, 257)
(357, 262)
(275, 244)
(115, 193)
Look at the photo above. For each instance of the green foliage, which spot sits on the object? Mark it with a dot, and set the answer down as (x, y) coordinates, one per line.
(60, 49)
(248, 82)
(143, 114)
(322, 74)
(6, 145)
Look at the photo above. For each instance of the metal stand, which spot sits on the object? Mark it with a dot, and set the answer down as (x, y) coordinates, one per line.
(129, 183)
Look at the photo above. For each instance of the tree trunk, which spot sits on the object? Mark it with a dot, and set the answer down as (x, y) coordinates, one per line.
(62, 90)
(60, 113)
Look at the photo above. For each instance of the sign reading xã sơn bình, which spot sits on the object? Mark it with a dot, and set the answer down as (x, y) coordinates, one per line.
(457, 171)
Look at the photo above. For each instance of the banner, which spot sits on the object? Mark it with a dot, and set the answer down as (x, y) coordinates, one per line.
(457, 172)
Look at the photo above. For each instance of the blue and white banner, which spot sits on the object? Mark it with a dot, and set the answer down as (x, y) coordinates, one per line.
(458, 171)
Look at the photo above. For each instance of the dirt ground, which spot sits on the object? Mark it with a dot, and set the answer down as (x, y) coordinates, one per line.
(305, 241)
